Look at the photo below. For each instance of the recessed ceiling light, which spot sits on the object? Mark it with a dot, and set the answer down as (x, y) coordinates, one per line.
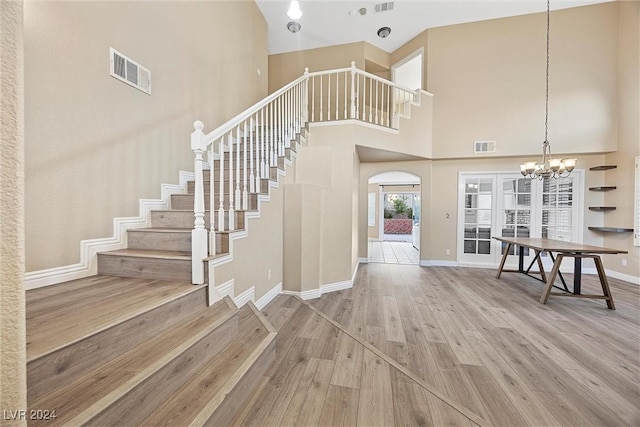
(362, 11)
(384, 32)
(294, 26)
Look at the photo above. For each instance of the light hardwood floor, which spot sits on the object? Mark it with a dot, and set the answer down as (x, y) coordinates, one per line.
(490, 345)
(323, 376)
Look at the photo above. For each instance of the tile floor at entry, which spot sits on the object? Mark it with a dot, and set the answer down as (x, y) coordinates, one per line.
(393, 252)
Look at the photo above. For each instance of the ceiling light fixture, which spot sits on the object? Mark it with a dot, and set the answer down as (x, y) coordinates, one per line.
(384, 32)
(548, 167)
(294, 11)
(294, 26)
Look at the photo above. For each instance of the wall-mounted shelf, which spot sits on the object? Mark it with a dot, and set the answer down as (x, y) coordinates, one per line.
(603, 188)
(612, 229)
(603, 167)
(602, 208)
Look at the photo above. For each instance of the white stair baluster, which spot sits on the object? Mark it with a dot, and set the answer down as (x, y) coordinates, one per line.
(253, 142)
(212, 230)
(321, 96)
(377, 108)
(337, 95)
(345, 96)
(388, 104)
(281, 123)
(238, 203)
(328, 97)
(382, 105)
(272, 130)
(263, 133)
(370, 100)
(245, 194)
(313, 98)
(221, 191)
(231, 186)
(364, 98)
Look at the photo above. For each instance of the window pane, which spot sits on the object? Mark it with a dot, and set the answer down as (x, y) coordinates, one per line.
(484, 201)
(486, 185)
(469, 246)
(524, 200)
(509, 201)
(509, 231)
(470, 232)
(484, 232)
(524, 185)
(548, 200)
(522, 231)
(524, 217)
(484, 216)
(470, 216)
(484, 247)
(509, 185)
(471, 201)
(509, 217)
(471, 186)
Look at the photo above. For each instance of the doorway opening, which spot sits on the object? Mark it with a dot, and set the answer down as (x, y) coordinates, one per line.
(394, 218)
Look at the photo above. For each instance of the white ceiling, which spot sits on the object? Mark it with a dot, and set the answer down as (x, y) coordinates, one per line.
(327, 22)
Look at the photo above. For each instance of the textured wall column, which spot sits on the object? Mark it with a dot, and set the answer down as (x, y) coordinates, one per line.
(13, 389)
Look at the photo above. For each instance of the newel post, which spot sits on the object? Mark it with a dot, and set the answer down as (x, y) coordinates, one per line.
(199, 233)
(306, 94)
(353, 89)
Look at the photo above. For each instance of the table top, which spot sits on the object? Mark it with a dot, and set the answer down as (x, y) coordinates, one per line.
(558, 245)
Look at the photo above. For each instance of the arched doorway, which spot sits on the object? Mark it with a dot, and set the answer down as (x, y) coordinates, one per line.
(393, 218)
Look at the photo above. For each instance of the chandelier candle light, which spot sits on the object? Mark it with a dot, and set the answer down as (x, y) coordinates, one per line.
(548, 167)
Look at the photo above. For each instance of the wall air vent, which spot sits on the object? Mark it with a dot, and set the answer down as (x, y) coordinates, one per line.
(384, 7)
(484, 147)
(128, 71)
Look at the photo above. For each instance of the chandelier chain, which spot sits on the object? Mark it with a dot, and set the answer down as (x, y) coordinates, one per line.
(546, 110)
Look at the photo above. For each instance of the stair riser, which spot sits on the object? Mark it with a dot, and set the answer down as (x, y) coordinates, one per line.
(144, 239)
(185, 219)
(185, 202)
(145, 268)
(256, 160)
(135, 406)
(191, 186)
(61, 367)
(241, 393)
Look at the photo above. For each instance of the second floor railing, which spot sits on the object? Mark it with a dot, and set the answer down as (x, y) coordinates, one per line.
(241, 152)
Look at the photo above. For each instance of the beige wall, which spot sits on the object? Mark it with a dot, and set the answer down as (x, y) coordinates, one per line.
(286, 67)
(13, 384)
(488, 80)
(95, 146)
(628, 142)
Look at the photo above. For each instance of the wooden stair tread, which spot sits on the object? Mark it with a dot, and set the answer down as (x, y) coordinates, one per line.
(70, 314)
(150, 253)
(160, 230)
(197, 399)
(89, 395)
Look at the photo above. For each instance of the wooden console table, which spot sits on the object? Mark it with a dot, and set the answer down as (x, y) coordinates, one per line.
(562, 249)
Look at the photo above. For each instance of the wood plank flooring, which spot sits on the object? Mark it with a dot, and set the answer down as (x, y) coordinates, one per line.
(488, 344)
(322, 376)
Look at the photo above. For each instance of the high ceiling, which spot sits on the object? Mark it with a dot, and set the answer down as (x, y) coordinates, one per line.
(326, 22)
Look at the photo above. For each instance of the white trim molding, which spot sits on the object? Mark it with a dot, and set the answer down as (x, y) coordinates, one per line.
(438, 263)
(265, 299)
(634, 280)
(325, 289)
(245, 297)
(88, 265)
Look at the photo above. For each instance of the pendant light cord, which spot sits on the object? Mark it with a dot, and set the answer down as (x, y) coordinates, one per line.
(546, 111)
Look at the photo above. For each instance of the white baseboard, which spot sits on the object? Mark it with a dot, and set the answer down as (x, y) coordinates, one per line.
(363, 260)
(634, 280)
(264, 300)
(437, 263)
(88, 265)
(216, 293)
(325, 289)
(245, 297)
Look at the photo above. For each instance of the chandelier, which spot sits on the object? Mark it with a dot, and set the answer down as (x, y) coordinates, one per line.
(548, 167)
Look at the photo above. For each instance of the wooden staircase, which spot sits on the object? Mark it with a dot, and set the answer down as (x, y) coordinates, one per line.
(114, 351)
(163, 251)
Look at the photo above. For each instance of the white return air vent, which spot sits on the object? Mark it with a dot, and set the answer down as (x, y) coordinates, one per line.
(384, 7)
(130, 72)
(484, 147)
